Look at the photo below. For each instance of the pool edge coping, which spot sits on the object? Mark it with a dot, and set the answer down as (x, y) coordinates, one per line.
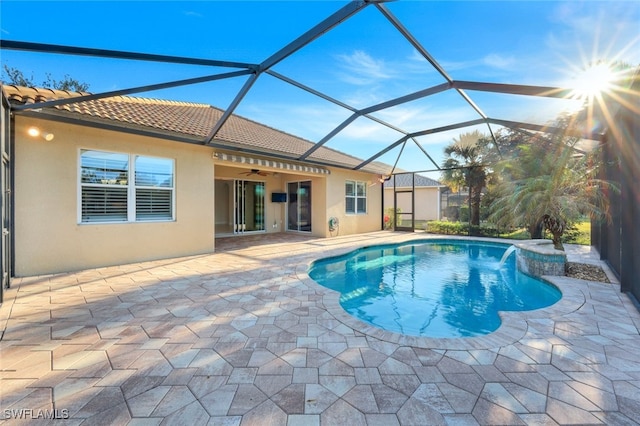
(514, 324)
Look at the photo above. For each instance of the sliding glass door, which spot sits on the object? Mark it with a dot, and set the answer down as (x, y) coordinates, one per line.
(249, 206)
(299, 206)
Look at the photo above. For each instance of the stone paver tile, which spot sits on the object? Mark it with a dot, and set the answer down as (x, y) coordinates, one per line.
(271, 385)
(335, 367)
(145, 421)
(180, 376)
(382, 420)
(106, 399)
(471, 382)
(71, 386)
(191, 414)
(276, 367)
(317, 398)
(339, 385)
(392, 366)
(116, 377)
(460, 420)
(74, 402)
(305, 375)
(367, 376)
(35, 399)
(606, 401)
(176, 398)
(592, 379)
(459, 400)
(372, 358)
(115, 415)
(31, 366)
(247, 397)
(497, 394)
(534, 381)
(242, 375)
(464, 357)
(450, 365)
(406, 384)
(510, 365)
(538, 419)
(489, 373)
(316, 357)
(432, 395)
(418, 412)
(265, 414)
(142, 405)
(260, 357)
(563, 392)
(488, 413)
(630, 407)
(351, 357)
(225, 421)
(342, 413)
(303, 420)
(362, 398)
(291, 399)
(135, 385)
(533, 402)
(217, 403)
(387, 399)
(567, 414)
(209, 362)
(296, 357)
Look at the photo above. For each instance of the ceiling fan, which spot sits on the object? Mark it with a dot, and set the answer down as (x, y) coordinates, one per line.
(255, 172)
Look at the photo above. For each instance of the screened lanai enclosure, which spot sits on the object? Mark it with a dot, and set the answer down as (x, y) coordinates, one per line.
(389, 83)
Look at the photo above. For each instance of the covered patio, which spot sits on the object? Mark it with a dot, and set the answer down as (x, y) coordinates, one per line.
(243, 336)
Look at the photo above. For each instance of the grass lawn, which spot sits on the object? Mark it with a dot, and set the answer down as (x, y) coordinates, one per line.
(580, 233)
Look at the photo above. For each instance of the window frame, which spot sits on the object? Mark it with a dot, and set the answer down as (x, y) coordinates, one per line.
(355, 197)
(132, 187)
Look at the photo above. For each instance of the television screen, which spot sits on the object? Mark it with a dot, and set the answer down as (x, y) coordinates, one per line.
(278, 197)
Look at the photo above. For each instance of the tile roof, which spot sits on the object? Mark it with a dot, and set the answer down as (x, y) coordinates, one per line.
(404, 181)
(193, 121)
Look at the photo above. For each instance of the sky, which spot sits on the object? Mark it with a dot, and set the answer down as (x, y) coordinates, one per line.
(361, 62)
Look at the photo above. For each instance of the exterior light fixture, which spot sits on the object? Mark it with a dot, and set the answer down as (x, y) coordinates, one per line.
(35, 132)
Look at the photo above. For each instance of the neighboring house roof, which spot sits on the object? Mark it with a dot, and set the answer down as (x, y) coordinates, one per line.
(404, 181)
(186, 121)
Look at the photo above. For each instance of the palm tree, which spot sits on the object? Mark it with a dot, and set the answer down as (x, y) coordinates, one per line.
(463, 167)
(563, 188)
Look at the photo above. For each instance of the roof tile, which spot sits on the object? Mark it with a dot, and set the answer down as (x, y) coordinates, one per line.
(189, 119)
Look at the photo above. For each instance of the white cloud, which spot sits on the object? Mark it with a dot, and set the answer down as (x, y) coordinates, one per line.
(360, 68)
(495, 60)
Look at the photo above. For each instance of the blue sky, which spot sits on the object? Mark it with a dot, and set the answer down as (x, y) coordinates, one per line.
(362, 62)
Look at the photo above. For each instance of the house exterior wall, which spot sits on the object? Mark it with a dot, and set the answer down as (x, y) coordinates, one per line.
(48, 235)
(426, 202)
(335, 204)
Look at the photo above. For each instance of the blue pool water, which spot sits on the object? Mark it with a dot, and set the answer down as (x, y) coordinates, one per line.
(440, 288)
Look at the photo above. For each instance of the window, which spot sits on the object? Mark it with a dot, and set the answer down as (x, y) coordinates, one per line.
(356, 197)
(118, 187)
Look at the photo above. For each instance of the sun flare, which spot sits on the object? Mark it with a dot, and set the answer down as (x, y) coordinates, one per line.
(593, 81)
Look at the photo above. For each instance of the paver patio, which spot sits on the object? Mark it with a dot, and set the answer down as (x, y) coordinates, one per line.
(243, 336)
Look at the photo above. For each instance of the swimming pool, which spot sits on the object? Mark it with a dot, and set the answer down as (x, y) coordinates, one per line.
(433, 288)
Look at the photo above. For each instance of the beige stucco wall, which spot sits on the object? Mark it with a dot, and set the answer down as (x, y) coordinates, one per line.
(50, 239)
(426, 202)
(352, 223)
(327, 198)
(48, 235)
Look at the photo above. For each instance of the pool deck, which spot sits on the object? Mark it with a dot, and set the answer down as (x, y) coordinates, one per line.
(244, 337)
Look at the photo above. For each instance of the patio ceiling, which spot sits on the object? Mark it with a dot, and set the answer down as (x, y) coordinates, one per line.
(469, 96)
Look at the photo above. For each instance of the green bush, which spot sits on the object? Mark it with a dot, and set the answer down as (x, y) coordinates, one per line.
(461, 228)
